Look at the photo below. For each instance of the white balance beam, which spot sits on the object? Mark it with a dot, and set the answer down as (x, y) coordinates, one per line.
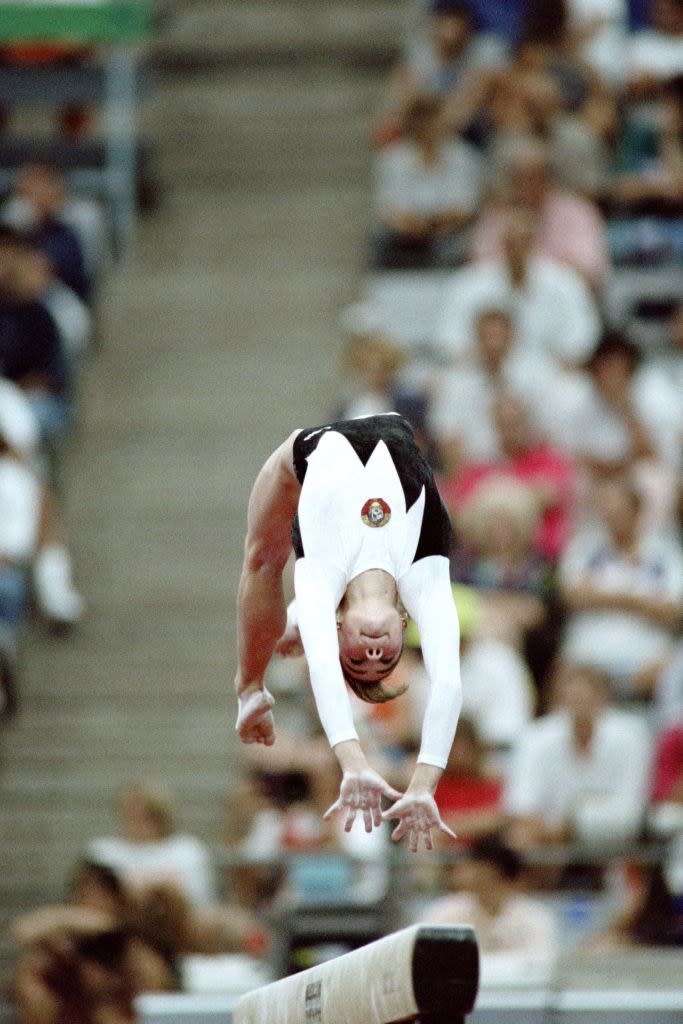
(421, 971)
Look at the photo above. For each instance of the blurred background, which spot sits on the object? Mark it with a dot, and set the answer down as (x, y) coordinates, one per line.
(222, 221)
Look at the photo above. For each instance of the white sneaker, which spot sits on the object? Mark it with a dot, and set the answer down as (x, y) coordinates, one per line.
(56, 597)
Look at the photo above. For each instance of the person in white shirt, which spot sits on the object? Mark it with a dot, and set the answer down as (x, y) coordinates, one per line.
(23, 491)
(20, 512)
(150, 850)
(21, 499)
(655, 54)
(357, 502)
(18, 425)
(580, 771)
(620, 417)
(444, 56)
(427, 187)
(517, 933)
(623, 589)
(31, 541)
(555, 316)
(599, 32)
(460, 410)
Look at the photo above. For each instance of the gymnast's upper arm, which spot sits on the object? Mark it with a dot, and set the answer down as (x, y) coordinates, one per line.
(272, 505)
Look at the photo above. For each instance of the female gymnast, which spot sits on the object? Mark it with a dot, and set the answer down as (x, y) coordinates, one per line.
(358, 503)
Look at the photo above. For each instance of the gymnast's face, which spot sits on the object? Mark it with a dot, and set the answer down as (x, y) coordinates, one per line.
(370, 640)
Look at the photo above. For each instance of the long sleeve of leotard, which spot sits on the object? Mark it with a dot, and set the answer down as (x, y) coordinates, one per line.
(319, 588)
(425, 590)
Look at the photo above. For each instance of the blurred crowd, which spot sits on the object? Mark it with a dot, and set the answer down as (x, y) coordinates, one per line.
(53, 252)
(522, 306)
(142, 903)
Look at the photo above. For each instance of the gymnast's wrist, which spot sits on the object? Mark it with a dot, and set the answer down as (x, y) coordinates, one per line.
(350, 756)
(425, 778)
(244, 689)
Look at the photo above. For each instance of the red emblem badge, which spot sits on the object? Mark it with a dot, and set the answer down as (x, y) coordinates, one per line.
(375, 512)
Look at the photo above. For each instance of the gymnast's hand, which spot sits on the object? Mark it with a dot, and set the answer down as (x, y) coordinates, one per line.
(255, 723)
(362, 790)
(417, 815)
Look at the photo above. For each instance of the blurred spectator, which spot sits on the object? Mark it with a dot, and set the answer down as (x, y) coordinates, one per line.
(523, 102)
(623, 589)
(151, 856)
(547, 47)
(32, 530)
(655, 53)
(666, 365)
(498, 690)
(427, 188)
(647, 916)
(280, 847)
(31, 538)
(571, 229)
(555, 316)
(19, 517)
(668, 694)
(84, 962)
(517, 934)
(461, 409)
(18, 431)
(621, 418)
(251, 834)
(469, 795)
(150, 849)
(32, 353)
(581, 771)
(18, 425)
(24, 262)
(445, 56)
(494, 553)
(40, 196)
(498, 694)
(598, 34)
(582, 148)
(380, 379)
(649, 173)
(523, 455)
(666, 812)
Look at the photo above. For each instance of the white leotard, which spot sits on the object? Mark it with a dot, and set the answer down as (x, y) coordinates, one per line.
(353, 517)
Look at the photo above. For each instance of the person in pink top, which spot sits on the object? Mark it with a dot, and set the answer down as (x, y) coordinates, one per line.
(571, 229)
(529, 459)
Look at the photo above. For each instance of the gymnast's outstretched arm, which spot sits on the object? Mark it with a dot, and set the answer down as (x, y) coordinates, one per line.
(427, 595)
(261, 609)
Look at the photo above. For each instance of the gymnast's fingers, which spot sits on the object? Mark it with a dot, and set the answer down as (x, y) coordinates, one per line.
(446, 830)
(400, 830)
(336, 806)
(350, 818)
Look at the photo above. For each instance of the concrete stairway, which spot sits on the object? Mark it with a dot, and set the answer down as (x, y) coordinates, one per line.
(218, 337)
